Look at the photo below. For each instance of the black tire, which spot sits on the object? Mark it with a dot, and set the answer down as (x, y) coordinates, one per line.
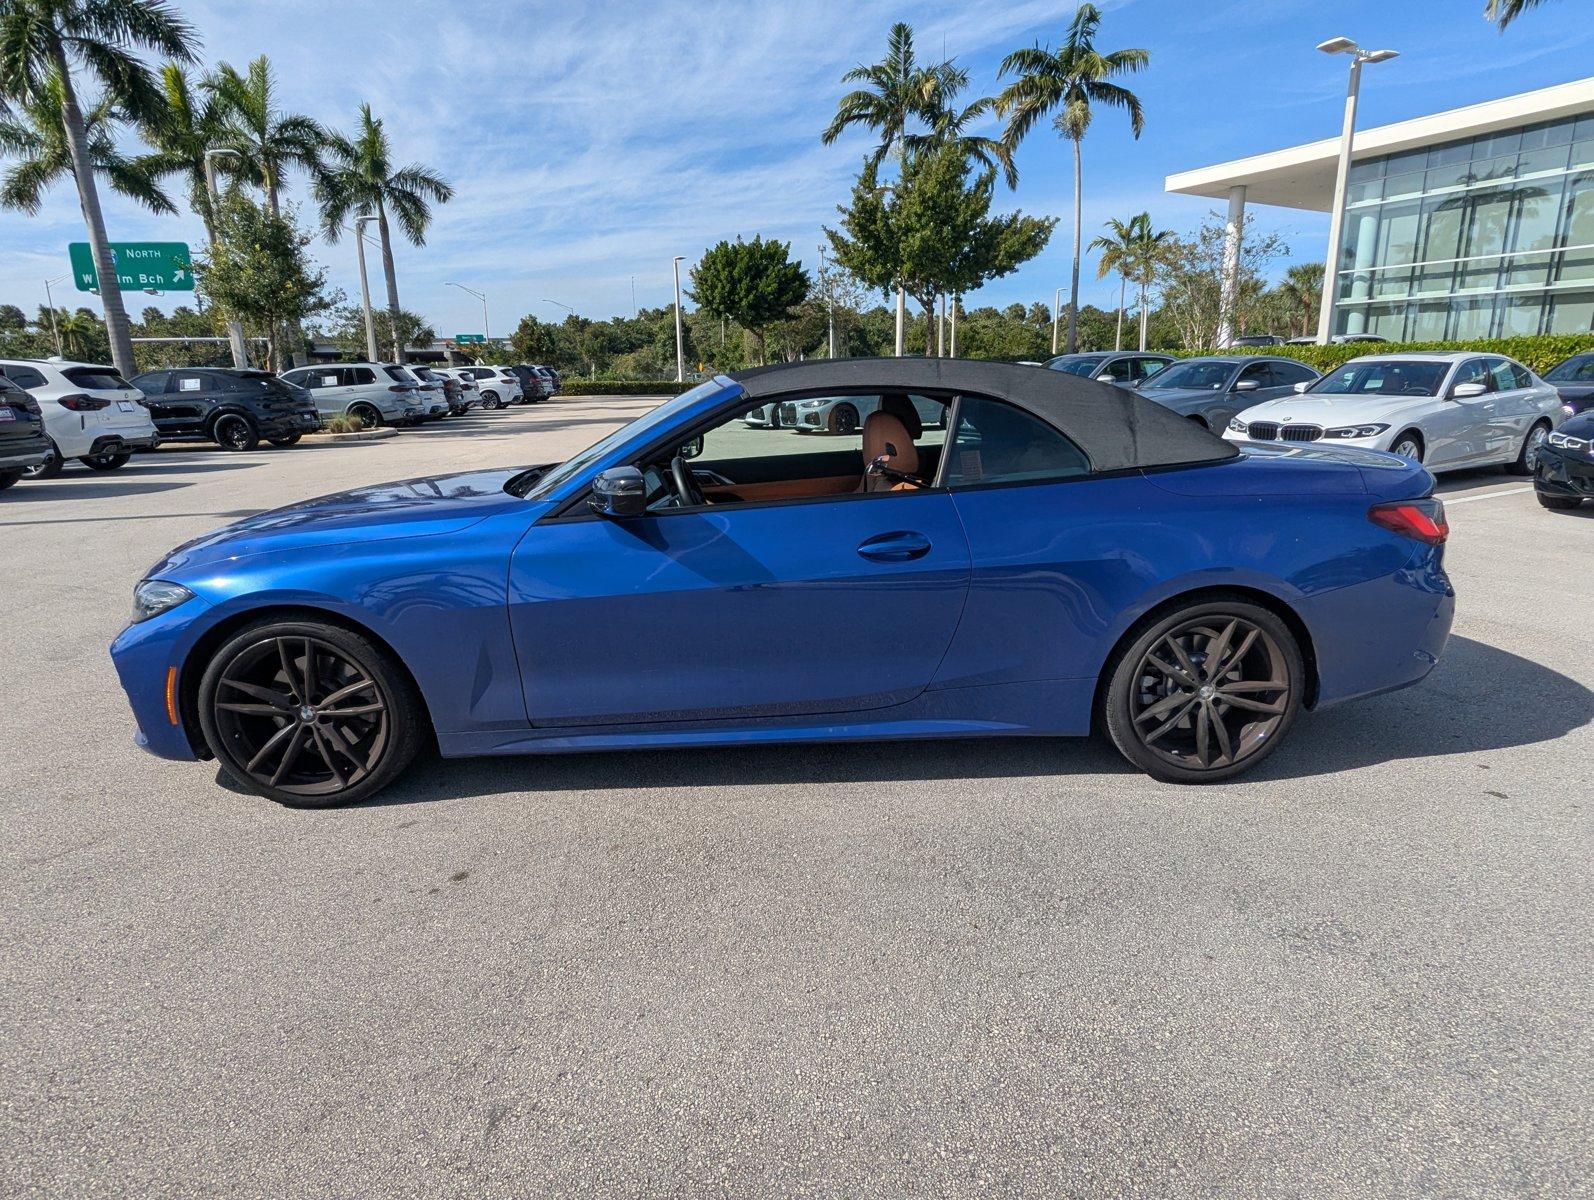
(1558, 503)
(291, 440)
(107, 462)
(234, 432)
(9, 478)
(49, 468)
(844, 420)
(368, 416)
(248, 728)
(1528, 456)
(1155, 717)
(1409, 438)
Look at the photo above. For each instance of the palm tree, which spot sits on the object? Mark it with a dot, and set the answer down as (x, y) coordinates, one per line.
(1303, 290)
(1503, 12)
(1148, 250)
(898, 90)
(1117, 254)
(1067, 83)
(268, 141)
(948, 124)
(35, 136)
(357, 175)
(180, 131)
(44, 40)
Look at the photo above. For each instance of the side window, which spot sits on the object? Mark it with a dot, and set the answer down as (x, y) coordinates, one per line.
(24, 377)
(1259, 373)
(1500, 372)
(1288, 373)
(997, 443)
(1520, 374)
(1147, 367)
(1121, 370)
(186, 383)
(151, 383)
(359, 375)
(1474, 370)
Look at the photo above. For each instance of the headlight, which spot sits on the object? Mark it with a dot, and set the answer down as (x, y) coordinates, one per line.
(1237, 426)
(154, 596)
(1563, 441)
(809, 403)
(1355, 431)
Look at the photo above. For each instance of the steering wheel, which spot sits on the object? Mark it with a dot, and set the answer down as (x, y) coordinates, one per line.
(686, 489)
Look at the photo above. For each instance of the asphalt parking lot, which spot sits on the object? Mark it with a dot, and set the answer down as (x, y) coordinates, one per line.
(1002, 968)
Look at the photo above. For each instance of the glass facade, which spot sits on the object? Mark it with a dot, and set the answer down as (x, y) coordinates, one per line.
(1488, 237)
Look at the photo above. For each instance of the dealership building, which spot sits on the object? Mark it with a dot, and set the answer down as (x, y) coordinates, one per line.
(1476, 222)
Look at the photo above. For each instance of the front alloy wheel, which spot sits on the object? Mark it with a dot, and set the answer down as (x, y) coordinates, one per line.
(310, 715)
(1206, 692)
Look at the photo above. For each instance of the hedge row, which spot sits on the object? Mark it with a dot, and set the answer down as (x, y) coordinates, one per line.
(623, 387)
(1538, 353)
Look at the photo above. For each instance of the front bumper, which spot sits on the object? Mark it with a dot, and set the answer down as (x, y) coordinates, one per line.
(143, 655)
(1559, 474)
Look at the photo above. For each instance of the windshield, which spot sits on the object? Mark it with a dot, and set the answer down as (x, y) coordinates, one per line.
(1384, 377)
(546, 484)
(1208, 376)
(1573, 370)
(1081, 365)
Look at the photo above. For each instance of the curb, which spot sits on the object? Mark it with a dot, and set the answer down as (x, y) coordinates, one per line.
(364, 435)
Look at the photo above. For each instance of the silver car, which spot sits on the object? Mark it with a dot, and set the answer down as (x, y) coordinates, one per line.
(845, 414)
(1213, 390)
(362, 390)
(1126, 368)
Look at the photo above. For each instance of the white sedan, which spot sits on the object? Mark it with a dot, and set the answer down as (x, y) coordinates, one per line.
(1444, 410)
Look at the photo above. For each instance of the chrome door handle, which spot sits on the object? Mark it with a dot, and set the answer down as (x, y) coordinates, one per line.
(901, 546)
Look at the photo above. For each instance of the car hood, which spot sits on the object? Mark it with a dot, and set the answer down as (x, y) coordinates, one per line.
(1330, 410)
(405, 509)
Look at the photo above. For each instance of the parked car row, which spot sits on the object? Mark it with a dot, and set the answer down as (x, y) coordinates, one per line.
(53, 411)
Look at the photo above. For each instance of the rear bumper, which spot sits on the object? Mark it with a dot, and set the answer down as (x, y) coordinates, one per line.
(1562, 475)
(116, 443)
(26, 453)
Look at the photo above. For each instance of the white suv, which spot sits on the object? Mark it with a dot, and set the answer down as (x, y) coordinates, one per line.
(499, 388)
(90, 413)
(361, 390)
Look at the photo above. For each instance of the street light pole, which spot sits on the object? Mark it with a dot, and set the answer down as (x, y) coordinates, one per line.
(680, 341)
(1057, 315)
(486, 332)
(1336, 218)
(954, 345)
(830, 299)
(49, 303)
(235, 330)
(365, 287)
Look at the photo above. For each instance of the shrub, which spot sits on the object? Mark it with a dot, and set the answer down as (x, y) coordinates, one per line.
(624, 387)
(1538, 353)
(343, 423)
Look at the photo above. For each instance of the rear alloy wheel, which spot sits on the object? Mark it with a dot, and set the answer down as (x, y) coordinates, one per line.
(236, 433)
(309, 715)
(490, 400)
(107, 462)
(291, 439)
(49, 468)
(1528, 457)
(1407, 446)
(368, 417)
(844, 419)
(1206, 692)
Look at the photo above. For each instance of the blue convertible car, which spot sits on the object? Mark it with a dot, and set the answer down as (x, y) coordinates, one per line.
(1055, 553)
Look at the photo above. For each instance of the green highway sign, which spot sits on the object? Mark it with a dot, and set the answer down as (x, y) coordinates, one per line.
(165, 266)
(465, 338)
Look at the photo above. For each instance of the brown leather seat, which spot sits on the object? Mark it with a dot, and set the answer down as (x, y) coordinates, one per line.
(884, 433)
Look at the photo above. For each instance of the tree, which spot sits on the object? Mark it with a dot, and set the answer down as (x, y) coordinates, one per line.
(1302, 293)
(1148, 248)
(935, 235)
(345, 329)
(1503, 12)
(267, 142)
(1116, 254)
(258, 273)
(45, 40)
(898, 90)
(180, 130)
(35, 136)
(535, 341)
(1190, 274)
(1065, 84)
(751, 283)
(357, 175)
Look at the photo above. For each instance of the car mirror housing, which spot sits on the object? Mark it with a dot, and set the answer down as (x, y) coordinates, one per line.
(1463, 391)
(1105, 379)
(1301, 387)
(619, 492)
(1246, 385)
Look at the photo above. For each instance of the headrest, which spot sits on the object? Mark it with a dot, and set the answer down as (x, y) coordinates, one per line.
(897, 404)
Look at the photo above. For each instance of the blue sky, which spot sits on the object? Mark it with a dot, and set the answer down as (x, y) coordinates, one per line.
(591, 142)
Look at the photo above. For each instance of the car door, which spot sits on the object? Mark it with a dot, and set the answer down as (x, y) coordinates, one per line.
(1457, 434)
(1234, 399)
(1513, 413)
(781, 608)
(186, 403)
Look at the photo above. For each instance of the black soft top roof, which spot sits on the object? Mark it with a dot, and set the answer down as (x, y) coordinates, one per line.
(1118, 429)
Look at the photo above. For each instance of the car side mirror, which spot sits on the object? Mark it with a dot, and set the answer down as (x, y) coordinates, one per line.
(619, 492)
(1246, 385)
(1465, 391)
(1303, 386)
(693, 448)
(1105, 379)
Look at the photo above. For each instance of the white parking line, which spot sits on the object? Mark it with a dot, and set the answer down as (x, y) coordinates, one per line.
(1486, 496)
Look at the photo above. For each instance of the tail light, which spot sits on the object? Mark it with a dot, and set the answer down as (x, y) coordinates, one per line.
(1420, 520)
(397, 387)
(81, 403)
